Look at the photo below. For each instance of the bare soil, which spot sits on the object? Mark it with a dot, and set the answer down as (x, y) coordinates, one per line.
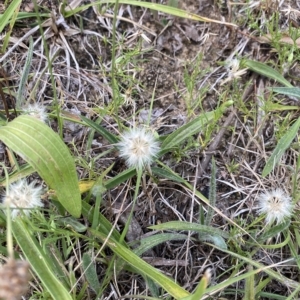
(160, 68)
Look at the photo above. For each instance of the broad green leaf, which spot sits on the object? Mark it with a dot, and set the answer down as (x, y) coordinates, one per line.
(282, 145)
(141, 266)
(41, 147)
(289, 91)
(8, 13)
(193, 127)
(105, 133)
(265, 70)
(38, 261)
(181, 225)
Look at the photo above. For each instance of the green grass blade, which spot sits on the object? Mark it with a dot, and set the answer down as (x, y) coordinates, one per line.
(187, 184)
(90, 272)
(265, 70)
(105, 133)
(260, 268)
(120, 178)
(180, 225)
(23, 171)
(38, 261)
(24, 75)
(193, 127)
(273, 231)
(171, 10)
(249, 286)
(201, 288)
(42, 148)
(10, 29)
(164, 173)
(282, 145)
(8, 14)
(212, 194)
(289, 91)
(154, 240)
(26, 15)
(144, 268)
(105, 226)
(215, 239)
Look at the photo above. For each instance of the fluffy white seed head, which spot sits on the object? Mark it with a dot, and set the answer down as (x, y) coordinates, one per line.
(21, 195)
(276, 205)
(36, 110)
(138, 147)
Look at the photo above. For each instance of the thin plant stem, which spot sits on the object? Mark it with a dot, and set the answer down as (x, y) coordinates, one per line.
(9, 239)
(113, 59)
(137, 187)
(47, 53)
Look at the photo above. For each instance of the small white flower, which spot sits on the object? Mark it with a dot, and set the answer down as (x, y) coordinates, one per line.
(276, 205)
(233, 69)
(138, 147)
(36, 110)
(23, 195)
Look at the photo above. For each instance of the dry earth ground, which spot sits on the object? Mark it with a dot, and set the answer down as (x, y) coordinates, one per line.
(160, 57)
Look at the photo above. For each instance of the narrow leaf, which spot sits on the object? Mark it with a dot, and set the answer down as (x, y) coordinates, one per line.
(120, 178)
(180, 225)
(90, 272)
(8, 13)
(154, 240)
(273, 231)
(267, 71)
(193, 127)
(249, 286)
(10, 28)
(24, 75)
(38, 261)
(159, 7)
(212, 194)
(42, 148)
(289, 91)
(260, 268)
(201, 288)
(282, 145)
(144, 268)
(215, 239)
(164, 173)
(22, 172)
(105, 133)
(104, 225)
